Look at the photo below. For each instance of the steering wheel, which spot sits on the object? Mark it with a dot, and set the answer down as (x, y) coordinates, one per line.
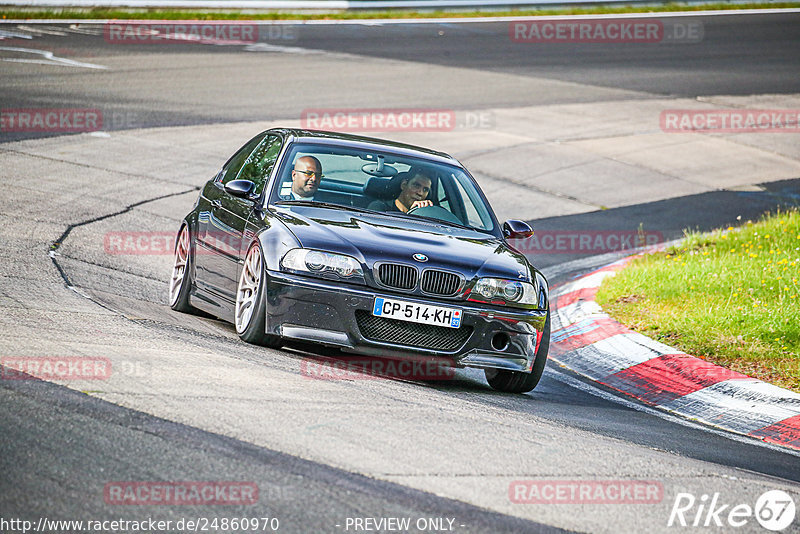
(435, 212)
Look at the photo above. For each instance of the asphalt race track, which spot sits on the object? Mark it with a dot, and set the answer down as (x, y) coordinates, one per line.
(566, 136)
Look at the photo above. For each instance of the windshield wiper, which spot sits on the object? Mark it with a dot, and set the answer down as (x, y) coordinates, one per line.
(317, 203)
(415, 217)
(443, 221)
(412, 217)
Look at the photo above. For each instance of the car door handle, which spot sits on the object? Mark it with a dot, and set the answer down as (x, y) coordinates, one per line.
(216, 203)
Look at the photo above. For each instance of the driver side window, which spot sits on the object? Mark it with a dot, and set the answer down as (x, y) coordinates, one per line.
(259, 165)
(231, 169)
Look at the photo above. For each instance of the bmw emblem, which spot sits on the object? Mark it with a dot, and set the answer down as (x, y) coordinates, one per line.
(420, 257)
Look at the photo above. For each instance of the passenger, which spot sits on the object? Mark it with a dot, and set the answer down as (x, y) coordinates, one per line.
(306, 175)
(414, 191)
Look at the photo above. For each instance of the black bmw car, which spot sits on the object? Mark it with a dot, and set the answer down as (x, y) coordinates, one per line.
(368, 245)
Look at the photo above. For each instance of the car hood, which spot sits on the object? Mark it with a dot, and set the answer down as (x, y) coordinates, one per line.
(374, 238)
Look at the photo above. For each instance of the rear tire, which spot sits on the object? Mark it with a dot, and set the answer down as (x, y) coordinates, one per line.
(517, 382)
(251, 301)
(180, 284)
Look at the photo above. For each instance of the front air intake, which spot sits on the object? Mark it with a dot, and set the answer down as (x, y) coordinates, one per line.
(397, 276)
(440, 283)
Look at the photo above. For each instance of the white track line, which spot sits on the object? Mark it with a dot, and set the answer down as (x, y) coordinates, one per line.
(454, 20)
(4, 34)
(42, 30)
(49, 58)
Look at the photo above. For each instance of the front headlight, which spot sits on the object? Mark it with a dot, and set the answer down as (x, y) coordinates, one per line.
(505, 293)
(323, 264)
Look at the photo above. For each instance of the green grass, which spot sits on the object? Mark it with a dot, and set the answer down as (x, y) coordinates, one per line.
(730, 296)
(232, 14)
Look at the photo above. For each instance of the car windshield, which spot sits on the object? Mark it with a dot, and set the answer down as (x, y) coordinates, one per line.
(384, 182)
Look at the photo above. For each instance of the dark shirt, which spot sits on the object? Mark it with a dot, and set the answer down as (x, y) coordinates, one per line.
(380, 205)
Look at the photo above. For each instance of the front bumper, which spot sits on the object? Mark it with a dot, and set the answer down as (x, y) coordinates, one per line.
(324, 311)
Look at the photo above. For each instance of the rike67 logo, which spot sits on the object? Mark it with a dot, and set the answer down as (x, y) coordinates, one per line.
(774, 510)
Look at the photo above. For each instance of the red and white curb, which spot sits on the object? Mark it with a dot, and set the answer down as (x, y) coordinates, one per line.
(592, 344)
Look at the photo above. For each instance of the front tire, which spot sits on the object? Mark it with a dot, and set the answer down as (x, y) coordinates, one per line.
(517, 382)
(181, 281)
(251, 301)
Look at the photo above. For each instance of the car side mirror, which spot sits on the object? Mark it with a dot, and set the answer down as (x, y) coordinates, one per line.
(514, 229)
(241, 189)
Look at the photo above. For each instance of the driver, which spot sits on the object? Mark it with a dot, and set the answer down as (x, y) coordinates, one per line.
(414, 193)
(306, 175)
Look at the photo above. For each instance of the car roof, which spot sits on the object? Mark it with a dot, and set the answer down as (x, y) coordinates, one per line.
(358, 141)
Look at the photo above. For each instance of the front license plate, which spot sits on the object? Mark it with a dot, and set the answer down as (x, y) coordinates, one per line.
(417, 313)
